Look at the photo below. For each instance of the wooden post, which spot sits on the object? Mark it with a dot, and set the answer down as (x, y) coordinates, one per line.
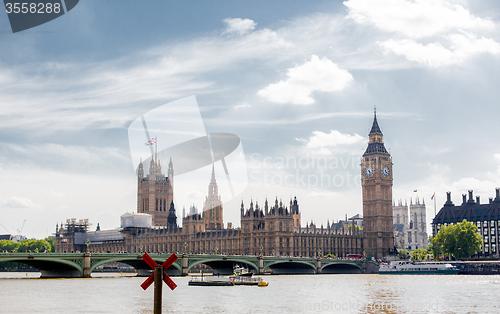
(158, 286)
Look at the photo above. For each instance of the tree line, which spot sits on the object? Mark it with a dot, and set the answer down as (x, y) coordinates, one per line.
(30, 245)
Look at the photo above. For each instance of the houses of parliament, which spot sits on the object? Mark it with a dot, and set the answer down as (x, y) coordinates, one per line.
(271, 228)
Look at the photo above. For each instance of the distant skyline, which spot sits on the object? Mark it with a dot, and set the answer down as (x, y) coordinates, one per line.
(296, 81)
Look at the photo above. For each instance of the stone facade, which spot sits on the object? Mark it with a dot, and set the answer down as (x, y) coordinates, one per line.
(376, 180)
(410, 229)
(155, 191)
(272, 230)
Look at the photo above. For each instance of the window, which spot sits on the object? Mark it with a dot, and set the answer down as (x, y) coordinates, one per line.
(485, 231)
(485, 223)
(492, 231)
(492, 223)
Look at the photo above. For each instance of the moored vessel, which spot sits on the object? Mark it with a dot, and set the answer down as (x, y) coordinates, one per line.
(414, 268)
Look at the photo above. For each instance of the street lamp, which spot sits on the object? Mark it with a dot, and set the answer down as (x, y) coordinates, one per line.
(141, 247)
(273, 252)
(319, 253)
(216, 249)
(185, 247)
(87, 243)
(261, 250)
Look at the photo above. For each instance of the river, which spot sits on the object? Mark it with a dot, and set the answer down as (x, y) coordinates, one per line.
(112, 293)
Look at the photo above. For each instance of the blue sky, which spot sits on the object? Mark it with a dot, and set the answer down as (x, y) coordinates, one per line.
(292, 80)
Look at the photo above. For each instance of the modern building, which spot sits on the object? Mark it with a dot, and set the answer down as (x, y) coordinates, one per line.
(485, 216)
(376, 181)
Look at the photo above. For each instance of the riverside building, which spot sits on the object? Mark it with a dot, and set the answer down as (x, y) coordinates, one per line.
(485, 216)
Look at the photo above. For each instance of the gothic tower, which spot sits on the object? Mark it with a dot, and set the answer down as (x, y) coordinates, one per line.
(154, 192)
(212, 209)
(376, 180)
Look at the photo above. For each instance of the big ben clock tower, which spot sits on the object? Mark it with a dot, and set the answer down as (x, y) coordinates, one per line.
(376, 180)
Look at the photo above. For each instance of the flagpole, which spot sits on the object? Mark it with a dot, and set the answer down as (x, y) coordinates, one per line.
(435, 204)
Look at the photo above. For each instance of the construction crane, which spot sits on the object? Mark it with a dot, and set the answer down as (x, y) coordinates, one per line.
(22, 227)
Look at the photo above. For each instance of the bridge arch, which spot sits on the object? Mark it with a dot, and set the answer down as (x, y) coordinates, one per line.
(225, 260)
(130, 261)
(341, 268)
(289, 266)
(50, 267)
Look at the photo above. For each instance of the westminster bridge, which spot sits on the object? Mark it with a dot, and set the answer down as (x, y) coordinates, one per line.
(73, 265)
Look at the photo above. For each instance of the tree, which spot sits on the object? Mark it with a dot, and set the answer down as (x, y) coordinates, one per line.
(403, 253)
(8, 245)
(419, 254)
(460, 240)
(32, 245)
(52, 244)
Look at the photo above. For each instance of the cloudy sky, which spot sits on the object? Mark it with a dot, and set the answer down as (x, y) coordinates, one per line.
(296, 82)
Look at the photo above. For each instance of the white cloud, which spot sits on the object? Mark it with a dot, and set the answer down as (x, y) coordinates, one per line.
(315, 75)
(334, 138)
(434, 54)
(18, 202)
(238, 26)
(415, 19)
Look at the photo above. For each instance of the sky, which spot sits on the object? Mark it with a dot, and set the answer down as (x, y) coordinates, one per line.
(297, 82)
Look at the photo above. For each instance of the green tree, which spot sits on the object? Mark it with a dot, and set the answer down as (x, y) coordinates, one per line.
(403, 253)
(460, 240)
(33, 245)
(419, 254)
(52, 244)
(8, 245)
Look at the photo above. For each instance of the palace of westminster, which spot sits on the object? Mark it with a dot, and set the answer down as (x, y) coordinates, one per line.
(271, 229)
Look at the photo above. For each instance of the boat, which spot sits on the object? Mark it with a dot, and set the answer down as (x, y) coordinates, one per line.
(416, 268)
(241, 271)
(210, 281)
(248, 281)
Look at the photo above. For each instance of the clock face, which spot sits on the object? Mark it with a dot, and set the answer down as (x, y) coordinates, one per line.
(369, 171)
(386, 171)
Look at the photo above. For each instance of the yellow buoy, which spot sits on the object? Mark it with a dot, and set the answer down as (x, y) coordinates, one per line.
(263, 283)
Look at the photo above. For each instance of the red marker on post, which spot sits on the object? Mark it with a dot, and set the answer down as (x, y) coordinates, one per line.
(156, 277)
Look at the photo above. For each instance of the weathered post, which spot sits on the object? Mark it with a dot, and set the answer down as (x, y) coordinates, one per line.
(158, 287)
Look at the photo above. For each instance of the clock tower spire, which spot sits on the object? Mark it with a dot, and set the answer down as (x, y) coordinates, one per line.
(376, 181)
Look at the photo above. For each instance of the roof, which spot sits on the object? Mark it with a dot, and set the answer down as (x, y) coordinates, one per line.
(375, 128)
(376, 148)
(470, 211)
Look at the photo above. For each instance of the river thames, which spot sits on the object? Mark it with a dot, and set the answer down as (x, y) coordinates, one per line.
(112, 293)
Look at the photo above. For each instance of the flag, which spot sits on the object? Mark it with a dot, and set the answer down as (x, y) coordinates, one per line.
(151, 141)
(432, 197)
(415, 191)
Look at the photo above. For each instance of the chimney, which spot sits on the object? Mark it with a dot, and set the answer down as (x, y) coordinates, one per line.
(464, 199)
(497, 199)
(471, 198)
(448, 200)
(491, 200)
(477, 200)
